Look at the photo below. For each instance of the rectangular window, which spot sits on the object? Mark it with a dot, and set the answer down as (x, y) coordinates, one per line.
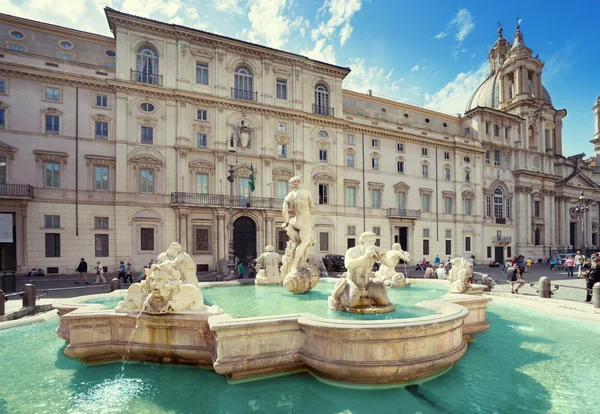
(487, 127)
(244, 188)
(425, 170)
(323, 241)
(446, 155)
(281, 239)
(496, 130)
(375, 199)
(52, 244)
(147, 135)
(349, 139)
(281, 89)
(350, 243)
(101, 245)
(448, 247)
(467, 243)
(281, 126)
(489, 251)
(401, 201)
(52, 124)
(448, 205)
(52, 222)
(202, 239)
(202, 114)
(52, 93)
(375, 143)
(506, 132)
(351, 230)
(448, 234)
(51, 175)
(2, 86)
(375, 164)
(487, 157)
(425, 247)
(400, 146)
(2, 118)
(17, 48)
(201, 140)
(201, 183)
(147, 239)
(536, 208)
(468, 131)
(446, 174)
(426, 232)
(282, 150)
(400, 167)
(282, 189)
(468, 207)
(467, 176)
(350, 196)
(101, 223)
(201, 73)
(147, 181)
(506, 160)
(2, 170)
(488, 206)
(508, 208)
(424, 151)
(322, 155)
(102, 100)
(65, 56)
(350, 160)
(497, 158)
(377, 231)
(110, 65)
(323, 194)
(102, 130)
(100, 178)
(425, 198)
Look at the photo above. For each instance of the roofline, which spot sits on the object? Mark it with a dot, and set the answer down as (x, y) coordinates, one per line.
(37, 25)
(493, 110)
(108, 10)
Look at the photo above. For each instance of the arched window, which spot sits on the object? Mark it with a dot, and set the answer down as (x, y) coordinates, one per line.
(496, 130)
(498, 203)
(243, 83)
(147, 65)
(321, 105)
(531, 137)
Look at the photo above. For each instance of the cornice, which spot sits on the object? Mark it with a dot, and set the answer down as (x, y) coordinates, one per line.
(28, 72)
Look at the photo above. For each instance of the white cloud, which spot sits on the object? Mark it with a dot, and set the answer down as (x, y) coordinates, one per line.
(341, 12)
(228, 6)
(345, 33)
(269, 25)
(462, 25)
(453, 97)
(440, 35)
(321, 51)
(415, 68)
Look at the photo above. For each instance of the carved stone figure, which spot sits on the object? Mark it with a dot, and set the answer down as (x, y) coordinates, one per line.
(358, 291)
(180, 262)
(459, 276)
(244, 136)
(269, 264)
(387, 274)
(298, 207)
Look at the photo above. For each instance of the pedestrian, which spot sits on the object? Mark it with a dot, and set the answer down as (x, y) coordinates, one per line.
(429, 272)
(440, 272)
(121, 274)
(252, 269)
(528, 264)
(578, 263)
(553, 263)
(99, 273)
(240, 269)
(128, 271)
(437, 260)
(570, 263)
(142, 275)
(82, 270)
(593, 276)
(513, 275)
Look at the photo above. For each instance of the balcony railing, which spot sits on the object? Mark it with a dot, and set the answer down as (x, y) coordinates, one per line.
(220, 200)
(500, 220)
(145, 77)
(403, 212)
(322, 110)
(16, 190)
(244, 95)
(501, 239)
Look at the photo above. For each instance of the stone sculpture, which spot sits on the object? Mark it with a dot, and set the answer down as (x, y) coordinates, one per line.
(269, 268)
(387, 274)
(358, 291)
(298, 206)
(171, 286)
(459, 275)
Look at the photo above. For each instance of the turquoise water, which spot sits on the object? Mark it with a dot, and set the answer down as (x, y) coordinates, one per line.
(109, 303)
(527, 362)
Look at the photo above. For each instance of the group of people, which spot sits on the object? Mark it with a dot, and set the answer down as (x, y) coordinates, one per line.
(247, 268)
(125, 272)
(570, 263)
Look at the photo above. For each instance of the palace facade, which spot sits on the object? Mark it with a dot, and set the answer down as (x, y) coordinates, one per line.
(111, 148)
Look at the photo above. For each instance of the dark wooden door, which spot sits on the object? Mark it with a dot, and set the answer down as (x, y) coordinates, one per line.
(499, 254)
(244, 239)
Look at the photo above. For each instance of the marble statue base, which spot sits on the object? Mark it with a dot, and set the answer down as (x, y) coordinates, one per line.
(397, 281)
(263, 279)
(362, 309)
(302, 280)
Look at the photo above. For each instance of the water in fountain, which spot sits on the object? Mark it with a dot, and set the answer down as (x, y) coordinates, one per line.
(125, 356)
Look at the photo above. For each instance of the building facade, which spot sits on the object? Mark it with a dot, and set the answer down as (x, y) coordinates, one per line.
(111, 148)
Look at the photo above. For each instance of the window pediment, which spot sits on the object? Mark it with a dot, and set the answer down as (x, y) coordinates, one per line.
(350, 151)
(146, 120)
(244, 171)
(202, 166)
(51, 156)
(375, 155)
(102, 160)
(323, 144)
(448, 194)
(352, 183)
(375, 186)
(281, 71)
(52, 111)
(425, 191)
(281, 174)
(201, 53)
(201, 128)
(7, 151)
(323, 178)
(282, 138)
(146, 162)
(401, 187)
(101, 118)
(468, 195)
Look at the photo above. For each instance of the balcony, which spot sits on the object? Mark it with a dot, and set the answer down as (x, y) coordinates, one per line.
(220, 200)
(500, 220)
(322, 110)
(145, 77)
(16, 191)
(244, 95)
(403, 213)
(501, 240)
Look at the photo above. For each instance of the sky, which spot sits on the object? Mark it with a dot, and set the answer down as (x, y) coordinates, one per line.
(427, 53)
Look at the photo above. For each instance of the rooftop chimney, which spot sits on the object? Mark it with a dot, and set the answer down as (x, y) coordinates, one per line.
(370, 93)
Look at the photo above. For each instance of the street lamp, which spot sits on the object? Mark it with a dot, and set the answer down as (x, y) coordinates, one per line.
(230, 143)
(580, 210)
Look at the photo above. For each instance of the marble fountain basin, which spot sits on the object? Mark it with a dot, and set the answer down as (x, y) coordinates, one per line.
(383, 351)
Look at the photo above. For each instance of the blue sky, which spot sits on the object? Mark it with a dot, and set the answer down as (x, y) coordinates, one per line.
(431, 53)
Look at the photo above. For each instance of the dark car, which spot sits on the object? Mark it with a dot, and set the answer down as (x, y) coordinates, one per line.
(336, 262)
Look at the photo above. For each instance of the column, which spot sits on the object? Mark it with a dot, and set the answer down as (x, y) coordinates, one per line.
(547, 219)
(561, 221)
(183, 230)
(567, 223)
(524, 78)
(588, 227)
(553, 222)
(528, 216)
(518, 82)
(502, 96)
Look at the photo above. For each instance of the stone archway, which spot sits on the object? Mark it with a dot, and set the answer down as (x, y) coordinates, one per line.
(244, 238)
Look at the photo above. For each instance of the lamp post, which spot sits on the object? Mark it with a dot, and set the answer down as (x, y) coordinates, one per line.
(231, 262)
(580, 210)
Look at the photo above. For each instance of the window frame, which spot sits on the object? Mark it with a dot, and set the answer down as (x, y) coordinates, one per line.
(323, 190)
(146, 140)
(99, 223)
(55, 125)
(147, 183)
(100, 96)
(198, 140)
(323, 155)
(54, 221)
(350, 196)
(350, 141)
(104, 127)
(144, 246)
(56, 91)
(375, 164)
(281, 150)
(281, 86)
(204, 72)
(348, 154)
(376, 201)
(100, 188)
(56, 174)
(201, 114)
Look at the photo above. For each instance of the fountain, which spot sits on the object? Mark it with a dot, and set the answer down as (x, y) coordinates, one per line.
(270, 274)
(387, 273)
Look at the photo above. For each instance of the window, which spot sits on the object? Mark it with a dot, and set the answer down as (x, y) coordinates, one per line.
(375, 199)
(201, 73)
(3, 170)
(281, 89)
(323, 241)
(350, 243)
(147, 107)
(2, 86)
(244, 188)
(496, 130)
(282, 189)
(448, 205)
(497, 158)
(147, 239)
(489, 251)
(425, 247)
(201, 141)
(400, 146)
(281, 126)
(110, 65)
(146, 181)
(110, 53)
(487, 157)
(65, 56)
(100, 178)
(16, 48)
(101, 223)
(536, 208)
(322, 155)
(487, 127)
(424, 151)
(507, 202)
(425, 170)
(468, 207)
(66, 45)
(243, 83)
(350, 160)
(201, 183)
(375, 143)
(323, 194)
(351, 230)
(468, 131)
(51, 175)
(202, 239)
(321, 105)
(468, 243)
(52, 93)
(466, 159)
(102, 130)
(446, 174)
(506, 160)
(350, 196)
(448, 247)
(349, 139)
(401, 201)
(446, 155)
(426, 233)
(375, 164)
(448, 234)
(400, 167)
(52, 222)
(101, 245)
(2, 118)
(506, 132)
(323, 134)
(52, 244)
(488, 206)
(147, 135)
(202, 115)
(102, 100)
(281, 239)
(282, 150)
(425, 201)
(467, 176)
(52, 124)
(498, 203)
(15, 34)
(147, 65)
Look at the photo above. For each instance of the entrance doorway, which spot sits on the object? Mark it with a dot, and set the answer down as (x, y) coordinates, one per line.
(8, 245)
(572, 229)
(244, 239)
(499, 254)
(402, 237)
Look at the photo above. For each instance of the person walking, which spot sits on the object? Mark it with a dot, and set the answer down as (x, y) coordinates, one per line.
(578, 263)
(82, 270)
(128, 271)
(570, 264)
(528, 264)
(429, 272)
(121, 274)
(240, 269)
(593, 277)
(99, 273)
(437, 261)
